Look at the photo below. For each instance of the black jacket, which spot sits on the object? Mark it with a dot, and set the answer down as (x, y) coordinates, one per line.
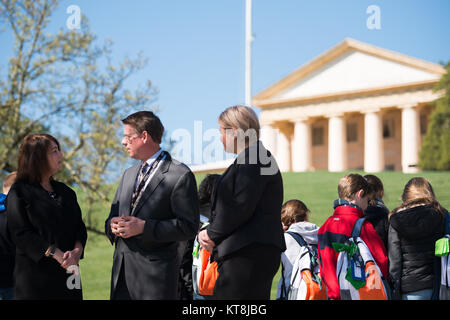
(377, 215)
(411, 241)
(247, 203)
(36, 221)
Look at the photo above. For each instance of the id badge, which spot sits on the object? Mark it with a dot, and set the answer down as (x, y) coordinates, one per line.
(357, 270)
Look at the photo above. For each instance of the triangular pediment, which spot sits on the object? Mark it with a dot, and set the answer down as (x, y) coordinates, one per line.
(348, 67)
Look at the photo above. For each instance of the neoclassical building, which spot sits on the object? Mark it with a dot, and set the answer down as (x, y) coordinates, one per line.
(356, 106)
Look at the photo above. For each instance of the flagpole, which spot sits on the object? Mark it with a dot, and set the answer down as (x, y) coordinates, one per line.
(248, 51)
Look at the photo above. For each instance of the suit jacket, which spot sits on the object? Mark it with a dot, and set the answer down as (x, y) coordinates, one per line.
(170, 208)
(35, 222)
(247, 203)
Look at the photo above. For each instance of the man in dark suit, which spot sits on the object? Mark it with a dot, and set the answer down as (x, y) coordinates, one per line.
(155, 207)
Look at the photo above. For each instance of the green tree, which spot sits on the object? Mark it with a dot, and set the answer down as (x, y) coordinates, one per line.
(29, 94)
(435, 152)
(69, 86)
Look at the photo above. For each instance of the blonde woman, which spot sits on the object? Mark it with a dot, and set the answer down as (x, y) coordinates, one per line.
(245, 234)
(413, 230)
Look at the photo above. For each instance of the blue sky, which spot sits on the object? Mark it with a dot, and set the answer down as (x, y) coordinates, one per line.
(196, 48)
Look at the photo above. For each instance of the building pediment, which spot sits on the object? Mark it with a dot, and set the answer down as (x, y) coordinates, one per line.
(351, 66)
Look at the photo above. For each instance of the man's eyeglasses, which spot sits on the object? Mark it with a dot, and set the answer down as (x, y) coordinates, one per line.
(129, 139)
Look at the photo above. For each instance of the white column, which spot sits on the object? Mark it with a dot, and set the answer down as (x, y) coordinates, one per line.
(268, 136)
(301, 146)
(283, 156)
(336, 144)
(410, 139)
(373, 142)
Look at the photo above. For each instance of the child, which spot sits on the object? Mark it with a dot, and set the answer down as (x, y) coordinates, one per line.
(294, 217)
(205, 193)
(185, 285)
(7, 248)
(376, 212)
(353, 197)
(414, 228)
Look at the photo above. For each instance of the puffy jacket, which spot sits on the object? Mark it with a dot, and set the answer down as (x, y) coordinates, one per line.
(338, 228)
(412, 236)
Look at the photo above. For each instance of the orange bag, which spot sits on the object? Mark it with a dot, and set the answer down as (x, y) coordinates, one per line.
(208, 274)
(313, 289)
(204, 272)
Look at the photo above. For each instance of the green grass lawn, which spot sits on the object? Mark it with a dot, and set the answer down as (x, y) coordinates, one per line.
(96, 267)
(316, 189)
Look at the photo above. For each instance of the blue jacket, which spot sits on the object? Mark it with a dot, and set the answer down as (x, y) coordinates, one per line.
(2, 202)
(7, 249)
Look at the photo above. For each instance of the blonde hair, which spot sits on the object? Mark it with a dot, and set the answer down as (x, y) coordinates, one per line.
(351, 184)
(418, 191)
(9, 181)
(294, 211)
(240, 117)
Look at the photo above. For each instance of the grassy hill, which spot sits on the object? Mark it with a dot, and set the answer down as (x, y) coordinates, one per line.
(316, 189)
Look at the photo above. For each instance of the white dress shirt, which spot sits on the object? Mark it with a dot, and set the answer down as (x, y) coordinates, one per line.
(150, 162)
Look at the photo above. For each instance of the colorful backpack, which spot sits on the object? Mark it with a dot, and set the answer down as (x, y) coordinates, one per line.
(204, 271)
(305, 283)
(442, 250)
(358, 275)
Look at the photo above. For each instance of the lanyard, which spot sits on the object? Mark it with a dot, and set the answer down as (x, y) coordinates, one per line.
(137, 194)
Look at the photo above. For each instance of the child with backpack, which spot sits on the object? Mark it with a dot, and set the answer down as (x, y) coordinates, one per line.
(353, 192)
(414, 228)
(298, 234)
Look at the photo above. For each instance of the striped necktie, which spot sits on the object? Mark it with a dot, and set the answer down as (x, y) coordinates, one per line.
(142, 179)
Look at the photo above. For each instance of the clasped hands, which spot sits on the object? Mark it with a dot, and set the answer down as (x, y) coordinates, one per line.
(69, 258)
(127, 226)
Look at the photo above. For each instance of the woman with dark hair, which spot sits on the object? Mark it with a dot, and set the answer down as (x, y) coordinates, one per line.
(45, 222)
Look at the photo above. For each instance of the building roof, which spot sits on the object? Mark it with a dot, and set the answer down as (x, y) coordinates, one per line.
(327, 75)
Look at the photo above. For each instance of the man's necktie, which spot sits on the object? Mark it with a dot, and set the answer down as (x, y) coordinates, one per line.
(144, 175)
(142, 179)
